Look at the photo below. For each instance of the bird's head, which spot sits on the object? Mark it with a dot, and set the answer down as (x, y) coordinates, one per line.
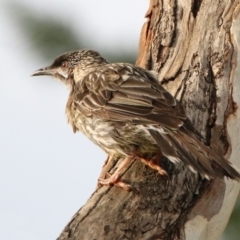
(71, 67)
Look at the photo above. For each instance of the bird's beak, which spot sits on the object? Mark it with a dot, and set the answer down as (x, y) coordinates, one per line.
(44, 71)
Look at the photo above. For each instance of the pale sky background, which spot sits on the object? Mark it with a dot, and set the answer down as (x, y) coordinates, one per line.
(47, 173)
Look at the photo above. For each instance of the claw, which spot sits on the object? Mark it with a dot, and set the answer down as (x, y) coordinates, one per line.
(114, 180)
(154, 164)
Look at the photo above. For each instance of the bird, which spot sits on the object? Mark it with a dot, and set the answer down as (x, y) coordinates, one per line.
(125, 110)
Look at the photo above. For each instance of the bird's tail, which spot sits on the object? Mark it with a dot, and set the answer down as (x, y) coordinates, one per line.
(181, 146)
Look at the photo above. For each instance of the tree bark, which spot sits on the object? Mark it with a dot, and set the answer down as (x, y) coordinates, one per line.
(194, 46)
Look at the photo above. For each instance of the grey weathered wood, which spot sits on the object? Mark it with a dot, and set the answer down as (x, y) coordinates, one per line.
(194, 47)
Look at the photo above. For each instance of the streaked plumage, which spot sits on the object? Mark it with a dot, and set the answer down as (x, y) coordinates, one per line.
(124, 110)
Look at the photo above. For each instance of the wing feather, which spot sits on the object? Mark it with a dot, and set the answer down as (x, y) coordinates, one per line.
(128, 96)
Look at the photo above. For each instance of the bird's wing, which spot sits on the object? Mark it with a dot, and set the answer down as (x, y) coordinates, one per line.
(125, 93)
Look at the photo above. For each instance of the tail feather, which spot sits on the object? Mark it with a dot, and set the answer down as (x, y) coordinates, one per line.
(194, 153)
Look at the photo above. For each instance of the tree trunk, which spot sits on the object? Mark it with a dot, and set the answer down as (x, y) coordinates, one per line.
(194, 47)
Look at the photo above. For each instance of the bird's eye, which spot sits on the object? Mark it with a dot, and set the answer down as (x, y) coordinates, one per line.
(64, 65)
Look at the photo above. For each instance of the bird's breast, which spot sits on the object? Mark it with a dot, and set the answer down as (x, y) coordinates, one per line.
(97, 130)
(113, 137)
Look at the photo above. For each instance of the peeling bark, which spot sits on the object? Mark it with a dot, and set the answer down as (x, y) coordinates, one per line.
(194, 46)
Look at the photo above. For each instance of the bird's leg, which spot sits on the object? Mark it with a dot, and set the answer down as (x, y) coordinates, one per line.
(109, 159)
(154, 164)
(115, 177)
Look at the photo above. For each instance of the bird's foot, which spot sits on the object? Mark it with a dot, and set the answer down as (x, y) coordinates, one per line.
(115, 180)
(154, 164)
